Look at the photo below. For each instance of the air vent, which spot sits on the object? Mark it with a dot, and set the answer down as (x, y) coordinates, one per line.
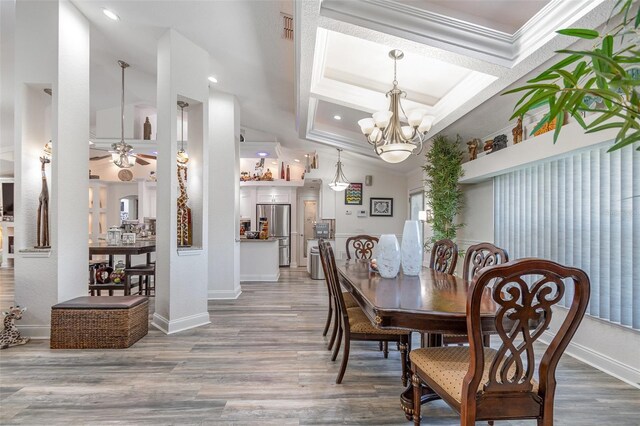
(287, 26)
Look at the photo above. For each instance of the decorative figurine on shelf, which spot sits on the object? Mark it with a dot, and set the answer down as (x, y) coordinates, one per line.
(499, 142)
(517, 131)
(288, 173)
(267, 175)
(264, 231)
(10, 336)
(488, 145)
(244, 176)
(43, 201)
(546, 127)
(103, 273)
(282, 175)
(184, 231)
(147, 130)
(259, 168)
(473, 148)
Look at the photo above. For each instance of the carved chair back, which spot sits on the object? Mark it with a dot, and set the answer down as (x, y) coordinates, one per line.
(480, 256)
(444, 256)
(362, 246)
(333, 279)
(524, 291)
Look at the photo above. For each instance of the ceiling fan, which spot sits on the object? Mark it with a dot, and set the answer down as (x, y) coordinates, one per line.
(140, 158)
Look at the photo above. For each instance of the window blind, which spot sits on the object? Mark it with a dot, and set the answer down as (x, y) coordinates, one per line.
(582, 211)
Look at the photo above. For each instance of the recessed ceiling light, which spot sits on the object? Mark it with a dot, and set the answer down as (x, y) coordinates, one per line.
(213, 79)
(262, 154)
(337, 117)
(109, 14)
(275, 163)
(296, 160)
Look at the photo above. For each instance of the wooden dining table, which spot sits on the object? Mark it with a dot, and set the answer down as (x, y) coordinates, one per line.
(432, 302)
(127, 250)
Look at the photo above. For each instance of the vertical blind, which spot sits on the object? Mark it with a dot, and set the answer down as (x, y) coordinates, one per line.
(582, 211)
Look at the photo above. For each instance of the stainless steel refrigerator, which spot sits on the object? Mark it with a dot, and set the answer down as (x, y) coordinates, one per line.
(279, 217)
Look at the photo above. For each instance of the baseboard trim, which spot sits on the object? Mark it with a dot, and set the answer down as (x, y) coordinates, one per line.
(224, 294)
(182, 324)
(271, 278)
(597, 360)
(35, 332)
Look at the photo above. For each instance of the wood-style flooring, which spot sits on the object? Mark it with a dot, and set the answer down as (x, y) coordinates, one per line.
(262, 360)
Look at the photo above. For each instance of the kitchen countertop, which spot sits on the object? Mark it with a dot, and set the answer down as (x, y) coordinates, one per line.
(256, 240)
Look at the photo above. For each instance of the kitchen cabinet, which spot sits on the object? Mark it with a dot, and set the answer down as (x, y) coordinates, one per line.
(274, 196)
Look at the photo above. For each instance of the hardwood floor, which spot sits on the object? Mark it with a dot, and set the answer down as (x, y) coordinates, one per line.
(262, 360)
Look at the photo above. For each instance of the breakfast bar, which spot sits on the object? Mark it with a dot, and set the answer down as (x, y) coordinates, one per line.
(259, 260)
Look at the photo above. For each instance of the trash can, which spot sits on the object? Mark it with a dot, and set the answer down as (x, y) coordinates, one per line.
(316, 265)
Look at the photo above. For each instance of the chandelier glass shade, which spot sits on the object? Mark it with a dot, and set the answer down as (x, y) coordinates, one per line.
(339, 182)
(121, 152)
(391, 140)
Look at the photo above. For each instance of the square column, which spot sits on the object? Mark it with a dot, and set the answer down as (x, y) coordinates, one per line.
(51, 51)
(224, 204)
(181, 272)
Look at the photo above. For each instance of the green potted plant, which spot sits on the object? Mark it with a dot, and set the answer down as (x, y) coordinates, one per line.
(609, 71)
(443, 169)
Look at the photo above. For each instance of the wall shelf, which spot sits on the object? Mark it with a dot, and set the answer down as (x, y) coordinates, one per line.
(277, 182)
(572, 139)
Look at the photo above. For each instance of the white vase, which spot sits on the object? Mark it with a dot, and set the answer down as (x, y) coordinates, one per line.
(388, 256)
(411, 248)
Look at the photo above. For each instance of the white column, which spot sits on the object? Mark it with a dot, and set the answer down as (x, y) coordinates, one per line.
(181, 274)
(224, 201)
(52, 50)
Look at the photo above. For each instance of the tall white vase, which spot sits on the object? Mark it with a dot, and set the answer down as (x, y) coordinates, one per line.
(411, 248)
(388, 256)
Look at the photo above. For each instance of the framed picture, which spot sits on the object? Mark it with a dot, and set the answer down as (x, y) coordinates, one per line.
(128, 238)
(381, 207)
(353, 194)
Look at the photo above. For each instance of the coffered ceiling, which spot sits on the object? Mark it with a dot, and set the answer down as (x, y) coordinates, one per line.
(458, 55)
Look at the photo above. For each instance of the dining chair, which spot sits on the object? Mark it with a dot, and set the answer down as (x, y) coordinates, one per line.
(477, 257)
(489, 384)
(444, 256)
(362, 246)
(145, 274)
(354, 324)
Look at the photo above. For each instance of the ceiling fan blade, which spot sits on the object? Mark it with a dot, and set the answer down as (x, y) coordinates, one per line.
(141, 161)
(152, 157)
(102, 157)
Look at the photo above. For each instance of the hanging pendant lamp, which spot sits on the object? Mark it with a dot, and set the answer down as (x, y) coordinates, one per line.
(392, 141)
(339, 182)
(122, 153)
(182, 156)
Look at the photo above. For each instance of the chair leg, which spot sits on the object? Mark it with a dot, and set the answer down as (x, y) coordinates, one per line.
(486, 339)
(386, 350)
(326, 326)
(345, 357)
(336, 320)
(490, 422)
(417, 395)
(336, 349)
(403, 358)
(381, 346)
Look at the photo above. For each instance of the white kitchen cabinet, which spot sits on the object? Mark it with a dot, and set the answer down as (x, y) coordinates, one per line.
(274, 196)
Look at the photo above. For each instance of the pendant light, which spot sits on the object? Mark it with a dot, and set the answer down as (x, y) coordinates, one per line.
(339, 182)
(392, 141)
(182, 156)
(122, 153)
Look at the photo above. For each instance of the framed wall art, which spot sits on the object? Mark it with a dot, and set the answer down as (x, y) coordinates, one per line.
(381, 207)
(353, 194)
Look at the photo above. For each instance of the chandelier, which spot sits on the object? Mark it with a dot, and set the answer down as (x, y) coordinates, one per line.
(392, 141)
(339, 182)
(121, 152)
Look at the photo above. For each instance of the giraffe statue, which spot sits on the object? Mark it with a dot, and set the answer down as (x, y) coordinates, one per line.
(10, 336)
(184, 212)
(43, 205)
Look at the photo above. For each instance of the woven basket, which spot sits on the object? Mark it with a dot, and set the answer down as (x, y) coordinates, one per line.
(99, 328)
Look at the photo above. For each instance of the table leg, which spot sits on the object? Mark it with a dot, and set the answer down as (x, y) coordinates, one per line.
(127, 277)
(429, 340)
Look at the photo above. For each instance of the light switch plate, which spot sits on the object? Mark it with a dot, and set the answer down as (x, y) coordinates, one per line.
(362, 213)
(348, 212)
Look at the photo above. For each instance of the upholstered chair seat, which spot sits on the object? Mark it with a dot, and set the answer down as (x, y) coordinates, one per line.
(360, 323)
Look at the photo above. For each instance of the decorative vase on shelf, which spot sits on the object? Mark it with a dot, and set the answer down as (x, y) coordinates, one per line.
(388, 256)
(411, 248)
(282, 171)
(146, 130)
(288, 173)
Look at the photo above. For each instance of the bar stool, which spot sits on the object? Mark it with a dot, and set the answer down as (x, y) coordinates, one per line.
(144, 272)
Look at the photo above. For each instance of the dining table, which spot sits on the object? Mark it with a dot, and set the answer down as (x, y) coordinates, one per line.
(127, 250)
(431, 302)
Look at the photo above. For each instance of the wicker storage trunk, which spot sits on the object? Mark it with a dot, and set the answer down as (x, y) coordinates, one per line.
(100, 322)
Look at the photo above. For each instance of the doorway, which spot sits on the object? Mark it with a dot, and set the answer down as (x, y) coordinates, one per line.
(308, 209)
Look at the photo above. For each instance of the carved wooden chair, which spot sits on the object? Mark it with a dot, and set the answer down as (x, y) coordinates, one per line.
(444, 256)
(487, 384)
(362, 246)
(354, 324)
(477, 257)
